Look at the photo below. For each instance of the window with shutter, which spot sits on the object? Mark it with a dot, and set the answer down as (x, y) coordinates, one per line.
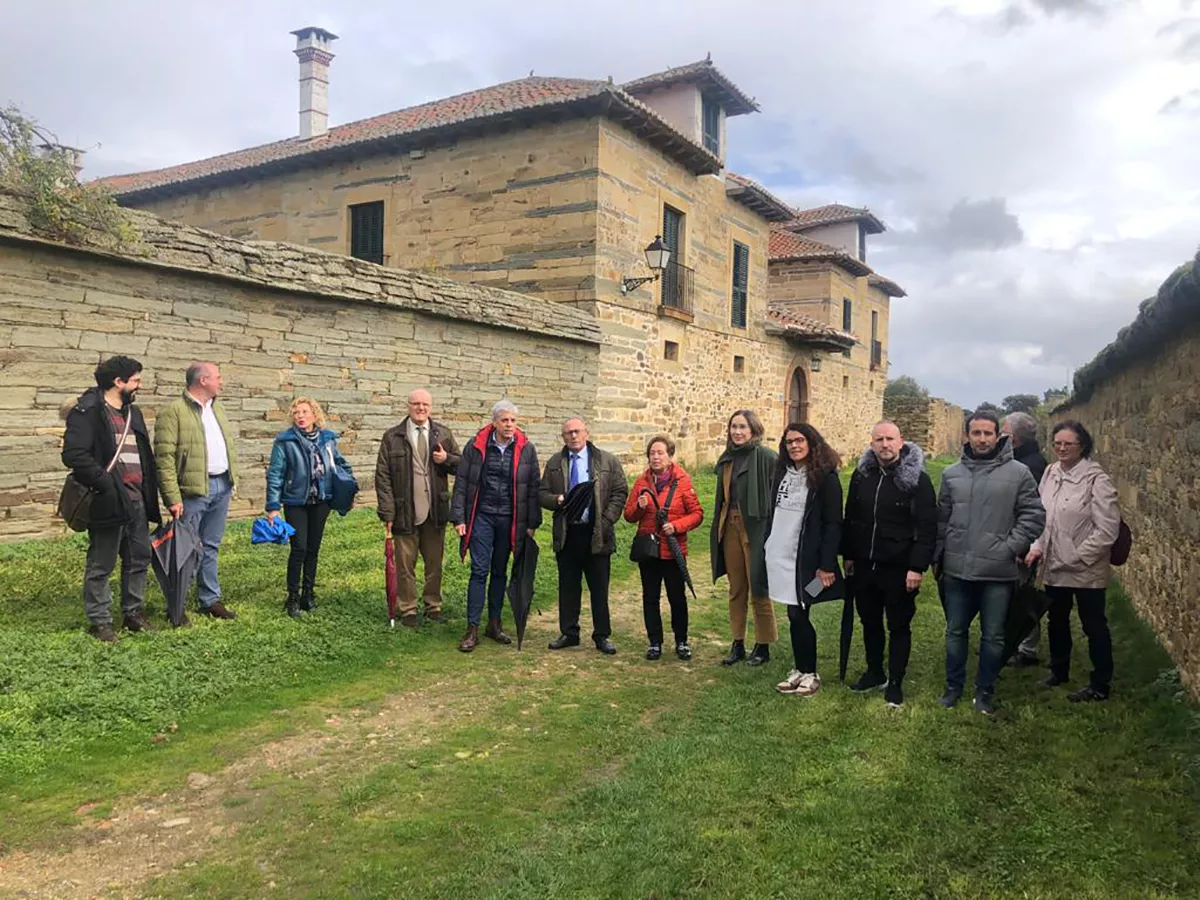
(366, 231)
(672, 236)
(741, 277)
(710, 113)
(847, 320)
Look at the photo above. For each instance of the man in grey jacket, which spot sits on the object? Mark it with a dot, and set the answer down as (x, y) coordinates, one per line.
(989, 513)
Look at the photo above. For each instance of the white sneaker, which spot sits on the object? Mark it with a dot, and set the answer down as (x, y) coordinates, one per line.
(809, 684)
(789, 684)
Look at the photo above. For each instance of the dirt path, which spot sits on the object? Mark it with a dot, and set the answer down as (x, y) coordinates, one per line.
(145, 837)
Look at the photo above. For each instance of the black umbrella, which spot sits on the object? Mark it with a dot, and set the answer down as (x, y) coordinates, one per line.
(175, 554)
(673, 544)
(577, 502)
(520, 584)
(1025, 610)
(847, 634)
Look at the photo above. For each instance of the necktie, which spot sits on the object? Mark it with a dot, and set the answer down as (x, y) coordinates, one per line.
(574, 469)
(422, 444)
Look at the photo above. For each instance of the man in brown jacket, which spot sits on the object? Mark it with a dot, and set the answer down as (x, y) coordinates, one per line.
(412, 489)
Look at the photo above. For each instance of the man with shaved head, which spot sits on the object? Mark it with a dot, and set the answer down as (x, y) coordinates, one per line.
(197, 471)
(584, 539)
(412, 489)
(888, 537)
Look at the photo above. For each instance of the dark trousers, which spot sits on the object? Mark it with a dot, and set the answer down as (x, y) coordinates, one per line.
(879, 592)
(654, 573)
(1095, 626)
(964, 601)
(131, 543)
(491, 543)
(575, 563)
(309, 522)
(804, 638)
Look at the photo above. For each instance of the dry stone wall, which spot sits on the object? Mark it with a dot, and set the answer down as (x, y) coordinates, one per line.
(1140, 399)
(935, 424)
(281, 321)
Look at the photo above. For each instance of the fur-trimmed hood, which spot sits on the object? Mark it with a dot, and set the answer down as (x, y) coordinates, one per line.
(908, 469)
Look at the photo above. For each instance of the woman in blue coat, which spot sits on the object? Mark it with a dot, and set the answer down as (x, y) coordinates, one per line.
(300, 481)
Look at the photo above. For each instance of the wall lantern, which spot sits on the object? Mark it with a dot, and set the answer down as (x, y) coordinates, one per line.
(815, 365)
(657, 256)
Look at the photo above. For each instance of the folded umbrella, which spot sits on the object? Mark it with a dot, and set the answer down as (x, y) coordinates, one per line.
(577, 501)
(847, 632)
(391, 579)
(520, 584)
(1025, 610)
(673, 544)
(175, 549)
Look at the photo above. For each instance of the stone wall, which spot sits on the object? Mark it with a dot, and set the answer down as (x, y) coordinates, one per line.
(1140, 398)
(934, 424)
(281, 321)
(846, 395)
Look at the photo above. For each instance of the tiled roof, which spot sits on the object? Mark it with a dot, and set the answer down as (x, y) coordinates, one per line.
(833, 213)
(886, 285)
(758, 198)
(472, 110)
(704, 74)
(806, 329)
(784, 246)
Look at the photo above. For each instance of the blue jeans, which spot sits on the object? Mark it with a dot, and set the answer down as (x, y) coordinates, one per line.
(208, 515)
(964, 600)
(491, 543)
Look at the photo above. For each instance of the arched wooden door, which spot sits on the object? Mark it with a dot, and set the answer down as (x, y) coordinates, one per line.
(797, 397)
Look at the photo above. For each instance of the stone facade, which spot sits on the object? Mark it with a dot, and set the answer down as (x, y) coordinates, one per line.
(1140, 399)
(845, 397)
(559, 211)
(934, 424)
(281, 321)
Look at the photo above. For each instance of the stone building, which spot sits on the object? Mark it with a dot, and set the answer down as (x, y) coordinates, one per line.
(554, 187)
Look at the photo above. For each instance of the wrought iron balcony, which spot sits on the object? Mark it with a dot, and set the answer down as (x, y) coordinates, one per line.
(678, 288)
(876, 355)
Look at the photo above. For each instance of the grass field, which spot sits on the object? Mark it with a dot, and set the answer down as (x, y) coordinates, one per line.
(335, 757)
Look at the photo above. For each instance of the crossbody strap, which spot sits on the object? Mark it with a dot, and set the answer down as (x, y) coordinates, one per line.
(121, 441)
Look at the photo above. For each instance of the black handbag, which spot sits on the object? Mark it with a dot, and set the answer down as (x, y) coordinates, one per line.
(75, 500)
(645, 546)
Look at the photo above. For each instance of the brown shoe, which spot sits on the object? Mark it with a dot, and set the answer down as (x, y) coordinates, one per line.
(496, 633)
(103, 633)
(218, 611)
(435, 615)
(409, 621)
(470, 640)
(137, 621)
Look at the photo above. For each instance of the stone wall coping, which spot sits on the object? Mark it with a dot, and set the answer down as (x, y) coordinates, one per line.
(294, 269)
(1160, 320)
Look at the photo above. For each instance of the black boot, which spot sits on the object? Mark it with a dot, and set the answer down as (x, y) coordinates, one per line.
(736, 653)
(761, 654)
(291, 606)
(307, 602)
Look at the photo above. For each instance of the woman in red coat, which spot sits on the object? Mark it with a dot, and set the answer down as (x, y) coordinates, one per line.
(673, 488)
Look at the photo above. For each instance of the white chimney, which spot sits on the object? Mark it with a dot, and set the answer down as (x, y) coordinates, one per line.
(312, 49)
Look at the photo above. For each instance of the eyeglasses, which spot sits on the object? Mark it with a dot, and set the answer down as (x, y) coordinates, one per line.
(795, 442)
(1065, 444)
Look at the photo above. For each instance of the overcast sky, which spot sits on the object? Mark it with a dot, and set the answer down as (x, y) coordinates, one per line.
(1035, 160)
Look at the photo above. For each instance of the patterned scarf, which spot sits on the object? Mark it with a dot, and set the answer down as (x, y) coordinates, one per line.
(310, 440)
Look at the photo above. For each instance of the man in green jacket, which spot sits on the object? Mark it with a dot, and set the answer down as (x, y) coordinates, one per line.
(197, 470)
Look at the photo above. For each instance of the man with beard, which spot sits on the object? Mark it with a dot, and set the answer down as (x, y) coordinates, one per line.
(104, 424)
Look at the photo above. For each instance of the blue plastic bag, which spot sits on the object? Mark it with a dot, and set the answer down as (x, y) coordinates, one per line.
(270, 531)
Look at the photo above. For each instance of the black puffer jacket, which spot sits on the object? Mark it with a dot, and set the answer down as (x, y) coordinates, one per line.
(1030, 456)
(891, 514)
(527, 514)
(88, 445)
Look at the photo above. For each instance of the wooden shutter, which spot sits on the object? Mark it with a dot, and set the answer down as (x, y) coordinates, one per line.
(672, 229)
(366, 232)
(741, 278)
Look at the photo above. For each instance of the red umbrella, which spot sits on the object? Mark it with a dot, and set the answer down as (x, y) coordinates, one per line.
(390, 579)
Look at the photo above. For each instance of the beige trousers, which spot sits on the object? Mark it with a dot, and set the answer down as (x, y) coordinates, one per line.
(735, 545)
(430, 542)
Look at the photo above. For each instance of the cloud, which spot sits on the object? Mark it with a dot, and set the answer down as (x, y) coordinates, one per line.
(1187, 104)
(967, 225)
(1034, 191)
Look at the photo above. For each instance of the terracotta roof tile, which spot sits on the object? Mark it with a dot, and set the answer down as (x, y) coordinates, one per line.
(806, 328)
(786, 246)
(704, 73)
(497, 101)
(758, 198)
(833, 213)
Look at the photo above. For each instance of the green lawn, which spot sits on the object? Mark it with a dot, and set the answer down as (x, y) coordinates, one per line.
(351, 760)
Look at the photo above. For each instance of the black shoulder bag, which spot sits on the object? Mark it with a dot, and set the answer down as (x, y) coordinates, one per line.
(75, 501)
(645, 546)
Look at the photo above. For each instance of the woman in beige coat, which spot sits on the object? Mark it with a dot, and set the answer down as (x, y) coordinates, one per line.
(1082, 523)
